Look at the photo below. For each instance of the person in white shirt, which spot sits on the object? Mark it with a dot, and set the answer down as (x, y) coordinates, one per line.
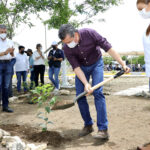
(146, 44)
(6, 52)
(39, 64)
(21, 68)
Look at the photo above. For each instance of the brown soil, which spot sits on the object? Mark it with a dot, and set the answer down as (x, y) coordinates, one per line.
(129, 123)
(33, 135)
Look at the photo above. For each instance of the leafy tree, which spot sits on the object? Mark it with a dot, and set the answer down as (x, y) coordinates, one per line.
(15, 12)
(65, 11)
(107, 60)
(124, 57)
(141, 60)
(137, 60)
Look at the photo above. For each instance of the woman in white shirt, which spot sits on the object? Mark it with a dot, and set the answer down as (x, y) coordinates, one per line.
(39, 64)
(146, 44)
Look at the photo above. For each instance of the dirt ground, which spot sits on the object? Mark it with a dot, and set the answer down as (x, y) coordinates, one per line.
(129, 119)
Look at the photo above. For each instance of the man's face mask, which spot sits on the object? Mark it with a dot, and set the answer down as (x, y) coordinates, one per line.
(72, 44)
(22, 52)
(54, 47)
(145, 14)
(3, 36)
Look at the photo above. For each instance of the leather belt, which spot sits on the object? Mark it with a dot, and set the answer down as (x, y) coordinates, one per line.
(5, 61)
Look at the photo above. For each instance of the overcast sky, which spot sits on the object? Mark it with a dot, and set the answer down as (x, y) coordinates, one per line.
(123, 28)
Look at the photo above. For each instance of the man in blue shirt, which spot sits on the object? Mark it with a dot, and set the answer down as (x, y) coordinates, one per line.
(31, 66)
(55, 57)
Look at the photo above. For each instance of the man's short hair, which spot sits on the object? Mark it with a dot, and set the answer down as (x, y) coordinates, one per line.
(20, 47)
(2, 26)
(66, 29)
(38, 45)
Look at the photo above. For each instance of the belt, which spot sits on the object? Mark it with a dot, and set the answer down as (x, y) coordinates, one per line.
(5, 61)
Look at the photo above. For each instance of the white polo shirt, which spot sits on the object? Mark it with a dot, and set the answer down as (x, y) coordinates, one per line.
(39, 61)
(4, 45)
(22, 62)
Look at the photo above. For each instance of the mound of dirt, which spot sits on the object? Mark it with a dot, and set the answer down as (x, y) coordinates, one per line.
(31, 134)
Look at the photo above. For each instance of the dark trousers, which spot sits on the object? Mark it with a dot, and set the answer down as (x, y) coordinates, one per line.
(39, 70)
(32, 79)
(10, 87)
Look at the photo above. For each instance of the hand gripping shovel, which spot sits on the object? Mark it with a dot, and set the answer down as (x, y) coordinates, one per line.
(100, 84)
(68, 104)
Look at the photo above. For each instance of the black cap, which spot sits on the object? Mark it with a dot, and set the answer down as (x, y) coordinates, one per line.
(29, 50)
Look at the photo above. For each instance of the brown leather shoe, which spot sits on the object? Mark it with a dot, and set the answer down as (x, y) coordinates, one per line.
(86, 130)
(102, 134)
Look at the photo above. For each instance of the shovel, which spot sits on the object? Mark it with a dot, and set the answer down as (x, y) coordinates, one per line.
(67, 105)
(100, 84)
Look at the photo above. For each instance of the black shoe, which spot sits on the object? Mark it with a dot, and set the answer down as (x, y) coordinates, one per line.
(7, 109)
(86, 130)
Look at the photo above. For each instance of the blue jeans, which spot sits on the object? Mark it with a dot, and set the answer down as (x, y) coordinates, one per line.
(5, 77)
(96, 72)
(32, 79)
(22, 74)
(54, 71)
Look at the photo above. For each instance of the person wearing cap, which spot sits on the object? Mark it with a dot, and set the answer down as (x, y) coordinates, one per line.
(6, 55)
(82, 49)
(55, 57)
(31, 67)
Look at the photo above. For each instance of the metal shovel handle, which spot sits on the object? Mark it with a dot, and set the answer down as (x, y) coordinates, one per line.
(100, 84)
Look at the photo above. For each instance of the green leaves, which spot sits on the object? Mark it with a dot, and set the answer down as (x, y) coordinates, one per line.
(47, 109)
(42, 94)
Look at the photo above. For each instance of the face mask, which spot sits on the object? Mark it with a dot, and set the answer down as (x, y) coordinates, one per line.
(145, 14)
(41, 48)
(3, 36)
(54, 47)
(72, 44)
(22, 52)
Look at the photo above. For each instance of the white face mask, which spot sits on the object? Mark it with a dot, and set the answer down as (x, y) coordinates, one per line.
(41, 48)
(3, 36)
(145, 14)
(72, 44)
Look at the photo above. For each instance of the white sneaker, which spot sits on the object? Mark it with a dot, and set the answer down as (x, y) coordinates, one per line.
(56, 90)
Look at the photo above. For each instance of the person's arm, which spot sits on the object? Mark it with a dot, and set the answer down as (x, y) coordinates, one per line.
(3, 53)
(49, 56)
(9, 50)
(58, 59)
(61, 57)
(117, 57)
(42, 55)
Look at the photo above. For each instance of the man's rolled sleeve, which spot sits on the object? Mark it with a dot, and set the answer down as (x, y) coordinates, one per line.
(100, 41)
